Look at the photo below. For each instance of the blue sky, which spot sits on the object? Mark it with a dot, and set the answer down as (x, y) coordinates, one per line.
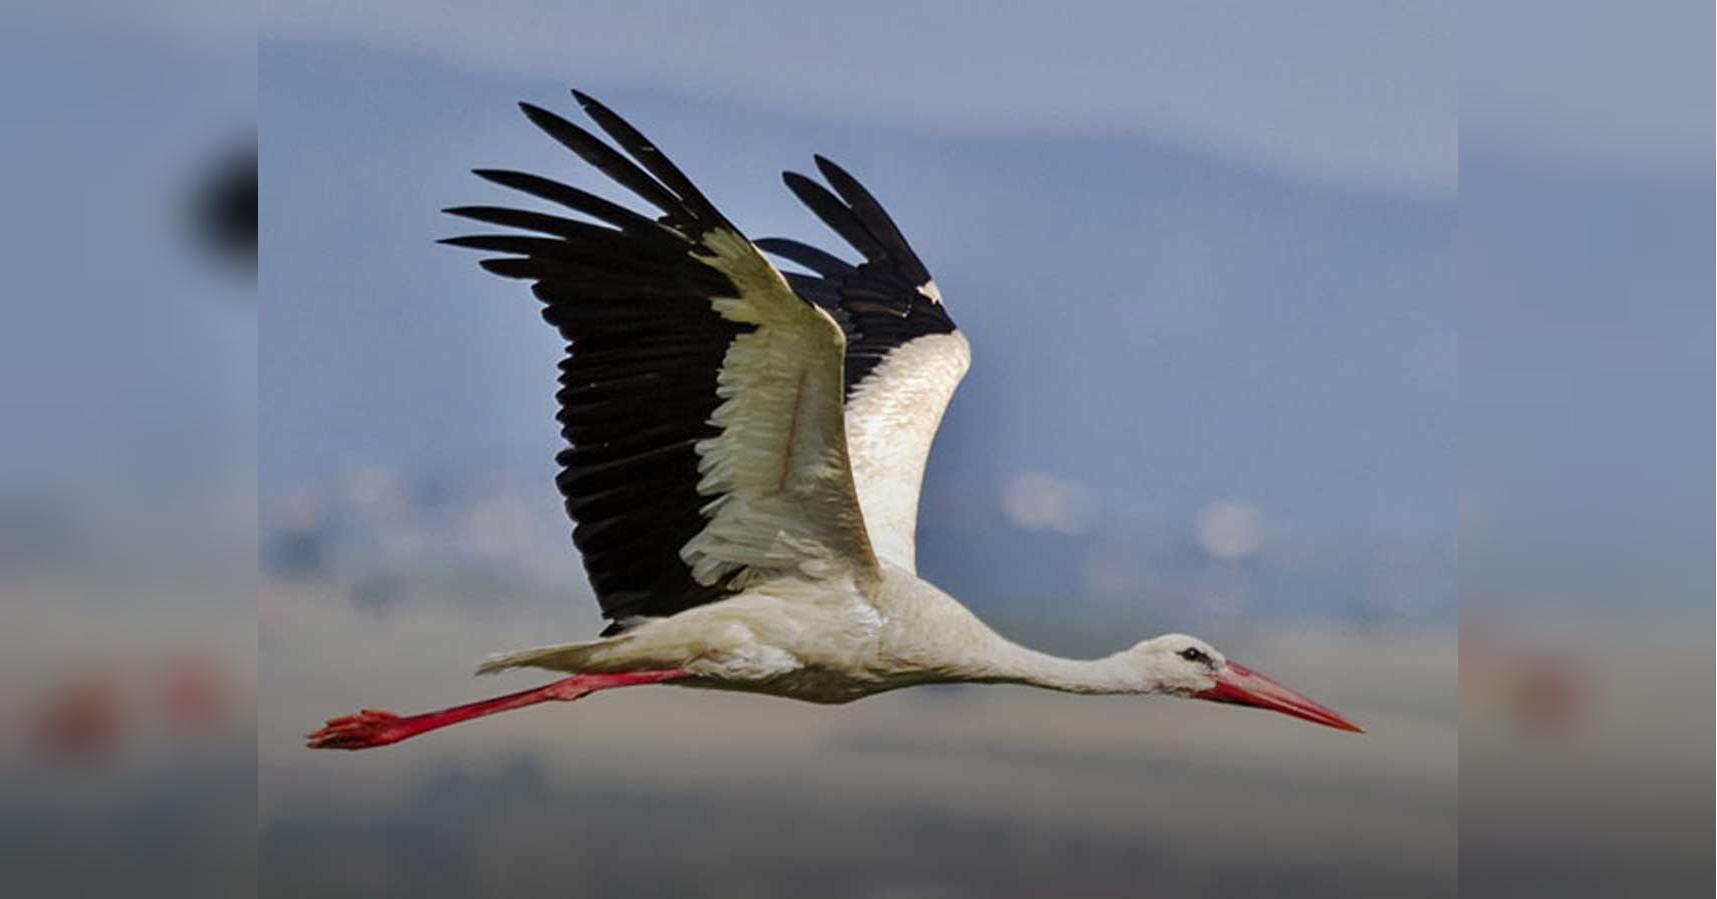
(1138, 304)
(1351, 89)
(1203, 250)
(1186, 283)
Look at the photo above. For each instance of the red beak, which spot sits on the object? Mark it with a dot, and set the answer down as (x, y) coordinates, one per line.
(1243, 686)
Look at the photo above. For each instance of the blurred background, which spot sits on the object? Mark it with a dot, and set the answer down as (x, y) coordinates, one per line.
(1216, 262)
(127, 457)
(1585, 308)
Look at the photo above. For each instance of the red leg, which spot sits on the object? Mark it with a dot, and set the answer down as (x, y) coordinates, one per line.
(371, 727)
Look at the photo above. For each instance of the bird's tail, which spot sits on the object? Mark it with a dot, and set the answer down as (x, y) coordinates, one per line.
(572, 657)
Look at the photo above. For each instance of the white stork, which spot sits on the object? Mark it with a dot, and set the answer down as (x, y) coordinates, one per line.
(744, 452)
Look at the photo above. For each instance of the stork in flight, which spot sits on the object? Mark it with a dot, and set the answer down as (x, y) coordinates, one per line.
(744, 452)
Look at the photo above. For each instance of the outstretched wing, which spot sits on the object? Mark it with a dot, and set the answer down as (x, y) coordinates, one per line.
(904, 354)
(701, 399)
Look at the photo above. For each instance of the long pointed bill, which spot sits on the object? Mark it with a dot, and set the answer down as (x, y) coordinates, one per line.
(1243, 686)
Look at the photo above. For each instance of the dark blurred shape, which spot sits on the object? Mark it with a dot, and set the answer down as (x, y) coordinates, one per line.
(295, 553)
(79, 722)
(225, 208)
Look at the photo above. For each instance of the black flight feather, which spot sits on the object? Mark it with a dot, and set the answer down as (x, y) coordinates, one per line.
(882, 302)
(644, 349)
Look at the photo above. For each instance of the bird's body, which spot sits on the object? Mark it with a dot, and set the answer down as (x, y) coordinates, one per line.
(822, 642)
(819, 641)
(745, 453)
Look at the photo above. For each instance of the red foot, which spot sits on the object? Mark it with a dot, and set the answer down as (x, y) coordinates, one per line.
(370, 727)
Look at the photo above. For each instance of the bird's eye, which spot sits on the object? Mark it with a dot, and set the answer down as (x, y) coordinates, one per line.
(1194, 655)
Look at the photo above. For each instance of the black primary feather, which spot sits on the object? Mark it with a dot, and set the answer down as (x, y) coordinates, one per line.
(644, 349)
(879, 302)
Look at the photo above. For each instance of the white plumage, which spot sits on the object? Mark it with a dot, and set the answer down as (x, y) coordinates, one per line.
(891, 420)
(784, 501)
(745, 456)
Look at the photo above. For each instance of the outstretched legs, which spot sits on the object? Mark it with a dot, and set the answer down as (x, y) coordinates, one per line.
(371, 727)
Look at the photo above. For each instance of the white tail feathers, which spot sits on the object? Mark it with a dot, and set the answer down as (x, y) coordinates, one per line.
(570, 657)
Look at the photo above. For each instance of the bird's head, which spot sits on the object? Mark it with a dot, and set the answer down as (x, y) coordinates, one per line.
(1178, 665)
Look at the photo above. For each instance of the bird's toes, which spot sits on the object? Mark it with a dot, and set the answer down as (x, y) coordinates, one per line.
(370, 727)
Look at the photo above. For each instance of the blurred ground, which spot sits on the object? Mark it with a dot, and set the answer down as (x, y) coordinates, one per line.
(1612, 799)
(160, 800)
(934, 792)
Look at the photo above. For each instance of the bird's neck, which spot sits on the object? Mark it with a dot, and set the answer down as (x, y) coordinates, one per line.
(1015, 664)
(945, 642)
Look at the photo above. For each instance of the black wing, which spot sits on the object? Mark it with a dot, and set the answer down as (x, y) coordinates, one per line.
(885, 301)
(670, 512)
